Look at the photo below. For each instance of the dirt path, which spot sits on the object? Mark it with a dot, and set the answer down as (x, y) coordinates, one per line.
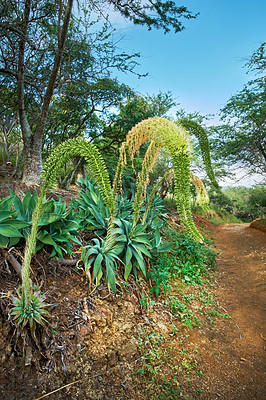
(235, 365)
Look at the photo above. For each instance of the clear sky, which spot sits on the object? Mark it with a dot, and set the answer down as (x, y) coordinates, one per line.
(204, 64)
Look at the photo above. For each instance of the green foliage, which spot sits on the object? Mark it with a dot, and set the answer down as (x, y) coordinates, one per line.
(187, 250)
(33, 311)
(146, 302)
(237, 204)
(159, 275)
(100, 261)
(90, 210)
(186, 316)
(136, 246)
(187, 260)
(160, 15)
(242, 139)
(136, 108)
(10, 225)
(56, 228)
(257, 201)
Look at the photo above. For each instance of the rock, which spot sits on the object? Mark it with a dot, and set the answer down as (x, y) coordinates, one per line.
(128, 350)
(100, 320)
(259, 223)
(111, 357)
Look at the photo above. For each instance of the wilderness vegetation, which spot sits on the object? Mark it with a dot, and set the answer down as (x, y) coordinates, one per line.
(64, 113)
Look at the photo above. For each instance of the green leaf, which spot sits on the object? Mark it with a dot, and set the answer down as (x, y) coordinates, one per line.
(128, 269)
(18, 205)
(3, 241)
(140, 247)
(47, 219)
(165, 246)
(97, 264)
(157, 237)
(9, 231)
(98, 277)
(5, 214)
(45, 238)
(110, 275)
(141, 239)
(26, 200)
(18, 223)
(128, 256)
(6, 203)
(140, 261)
(33, 201)
(13, 241)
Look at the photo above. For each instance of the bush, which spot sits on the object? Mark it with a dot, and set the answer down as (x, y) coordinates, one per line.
(187, 260)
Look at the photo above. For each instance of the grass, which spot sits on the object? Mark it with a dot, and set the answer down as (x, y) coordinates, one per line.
(219, 216)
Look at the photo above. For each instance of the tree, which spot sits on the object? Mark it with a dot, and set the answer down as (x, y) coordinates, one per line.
(243, 140)
(34, 35)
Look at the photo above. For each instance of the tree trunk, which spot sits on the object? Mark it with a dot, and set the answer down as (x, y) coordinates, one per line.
(33, 140)
(32, 166)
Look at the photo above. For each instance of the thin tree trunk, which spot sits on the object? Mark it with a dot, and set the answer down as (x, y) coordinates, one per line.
(68, 182)
(33, 140)
(32, 162)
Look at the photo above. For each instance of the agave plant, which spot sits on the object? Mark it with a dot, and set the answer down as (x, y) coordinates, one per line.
(10, 225)
(135, 244)
(100, 261)
(90, 209)
(52, 168)
(33, 312)
(162, 134)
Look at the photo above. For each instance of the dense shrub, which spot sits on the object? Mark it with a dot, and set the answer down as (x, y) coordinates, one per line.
(187, 259)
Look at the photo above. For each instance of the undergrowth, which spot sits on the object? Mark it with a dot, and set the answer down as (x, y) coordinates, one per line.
(180, 282)
(188, 260)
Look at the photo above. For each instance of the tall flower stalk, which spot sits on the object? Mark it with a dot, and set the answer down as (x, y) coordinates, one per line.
(162, 133)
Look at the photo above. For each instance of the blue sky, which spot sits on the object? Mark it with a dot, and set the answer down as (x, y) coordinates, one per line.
(204, 64)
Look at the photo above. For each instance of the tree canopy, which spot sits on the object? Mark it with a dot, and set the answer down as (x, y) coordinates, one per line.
(243, 139)
(53, 63)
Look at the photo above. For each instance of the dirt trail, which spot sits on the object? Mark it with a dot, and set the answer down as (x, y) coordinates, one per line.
(236, 361)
